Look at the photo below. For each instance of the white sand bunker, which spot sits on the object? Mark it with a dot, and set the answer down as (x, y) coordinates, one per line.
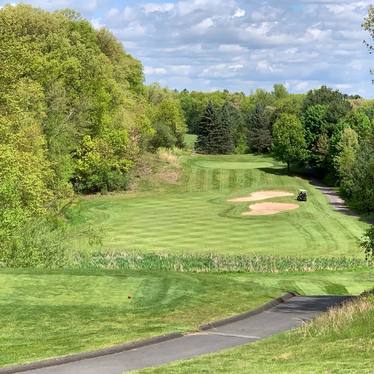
(265, 209)
(260, 195)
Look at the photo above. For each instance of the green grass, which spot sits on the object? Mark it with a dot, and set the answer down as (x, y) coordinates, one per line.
(50, 313)
(135, 260)
(194, 215)
(340, 341)
(47, 314)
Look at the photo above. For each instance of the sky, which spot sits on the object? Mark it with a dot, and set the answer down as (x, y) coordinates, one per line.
(239, 45)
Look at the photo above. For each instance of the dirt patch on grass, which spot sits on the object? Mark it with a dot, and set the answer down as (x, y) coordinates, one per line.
(265, 209)
(260, 195)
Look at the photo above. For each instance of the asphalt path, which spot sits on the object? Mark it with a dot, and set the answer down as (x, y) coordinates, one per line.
(337, 202)
(280, 318)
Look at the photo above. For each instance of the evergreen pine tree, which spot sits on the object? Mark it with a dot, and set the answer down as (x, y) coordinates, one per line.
(221, 139)
(259, 129)
(207, 123)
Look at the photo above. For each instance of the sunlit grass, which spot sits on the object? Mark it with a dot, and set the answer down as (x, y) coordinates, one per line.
(193, 215)
(51, 313)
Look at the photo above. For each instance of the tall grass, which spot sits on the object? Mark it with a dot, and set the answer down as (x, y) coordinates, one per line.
(211, 262)
(353, 316)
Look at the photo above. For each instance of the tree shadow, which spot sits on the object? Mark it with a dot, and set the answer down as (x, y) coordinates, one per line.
(312, 304)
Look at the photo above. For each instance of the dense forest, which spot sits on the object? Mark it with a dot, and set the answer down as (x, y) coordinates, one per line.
(76, 116)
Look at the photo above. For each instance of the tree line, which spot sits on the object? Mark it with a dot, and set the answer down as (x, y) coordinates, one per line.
(75, 116)
(323, 133)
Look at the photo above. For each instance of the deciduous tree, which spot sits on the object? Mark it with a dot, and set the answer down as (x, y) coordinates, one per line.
(289, 140)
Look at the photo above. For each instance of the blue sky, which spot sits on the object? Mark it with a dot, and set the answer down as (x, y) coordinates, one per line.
(239, 45)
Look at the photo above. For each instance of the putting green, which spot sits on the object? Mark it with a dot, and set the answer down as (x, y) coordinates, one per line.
(194, 215)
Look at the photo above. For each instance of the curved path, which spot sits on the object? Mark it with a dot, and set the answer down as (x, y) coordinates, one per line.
(282, 317)
(336, 201)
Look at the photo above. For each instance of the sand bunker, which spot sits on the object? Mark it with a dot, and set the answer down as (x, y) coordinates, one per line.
(265, 209)
(260, 195)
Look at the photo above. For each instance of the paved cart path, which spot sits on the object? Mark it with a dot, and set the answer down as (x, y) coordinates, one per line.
(336, 201)
(282, 317)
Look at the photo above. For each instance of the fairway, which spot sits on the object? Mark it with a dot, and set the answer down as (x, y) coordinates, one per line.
(195, 214)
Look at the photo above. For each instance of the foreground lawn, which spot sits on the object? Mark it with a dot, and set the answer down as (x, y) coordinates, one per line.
(194, 215)
(340, 341)
(46, 314)
(50, 314)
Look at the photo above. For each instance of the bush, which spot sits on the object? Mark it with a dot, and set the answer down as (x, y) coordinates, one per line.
(163, 137)
(100, 166)
(367, 243)
(38, 243)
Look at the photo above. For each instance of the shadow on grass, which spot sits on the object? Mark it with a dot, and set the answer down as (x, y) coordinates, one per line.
(312, 303)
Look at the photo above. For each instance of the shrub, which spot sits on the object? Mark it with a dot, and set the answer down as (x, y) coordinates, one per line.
(367, 243)
(164, 137)
(100, 165)
(38, 243)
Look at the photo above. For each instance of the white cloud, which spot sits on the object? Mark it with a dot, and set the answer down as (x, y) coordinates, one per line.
(265, 67)
(204, 25)
(239, 13)
(302, 86)
(231, 48)
(239, 44)
(83, 6)
(158, 7)
(154, 71)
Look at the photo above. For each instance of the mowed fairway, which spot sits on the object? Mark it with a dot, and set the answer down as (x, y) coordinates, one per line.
(194, 215)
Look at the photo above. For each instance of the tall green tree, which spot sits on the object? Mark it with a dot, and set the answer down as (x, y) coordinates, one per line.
(358, 121)
(289, 140)
(207, 124)
(259, 129)
(221, 138)
(337, 104)
(362, 177)
(315, 124)
(167, 118)
(72, 108)
(345, 159)
(280, 91)
(215, 135)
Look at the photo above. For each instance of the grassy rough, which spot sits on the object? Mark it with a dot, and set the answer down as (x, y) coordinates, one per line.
(340, 341)
(193, 215)
(211, 262)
